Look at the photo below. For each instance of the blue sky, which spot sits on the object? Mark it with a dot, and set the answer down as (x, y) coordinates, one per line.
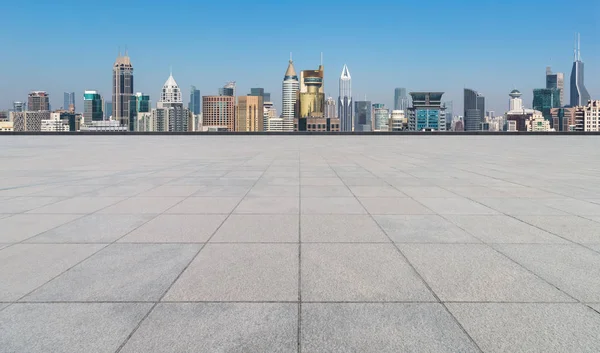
(489, 46)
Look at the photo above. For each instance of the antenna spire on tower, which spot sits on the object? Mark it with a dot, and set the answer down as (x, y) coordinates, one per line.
(579, 46)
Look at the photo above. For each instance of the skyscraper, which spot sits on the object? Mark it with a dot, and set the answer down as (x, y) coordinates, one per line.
(69, 100)
(474, 110)
(18, 106)
(544, 99)
(312, 102)
(108, 110)
(171, 101)
(400, 99)
(345, 100)
(291, 86)
(195, 101)
(228, 89)
(330, 112)
(362, 116)
(218, 112)
(556, 80)
(260, 92)
(382, 118)
(250, 113)
(122, 90)
(579, 94)
(38, 101)
(427, 112)
(92, 107)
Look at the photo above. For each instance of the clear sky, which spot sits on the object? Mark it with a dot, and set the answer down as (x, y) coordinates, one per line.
(488, 45)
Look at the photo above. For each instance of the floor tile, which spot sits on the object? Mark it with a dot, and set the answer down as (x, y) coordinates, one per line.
(24, 267)
(268, 205)
(379, 328)
(423, 229)
(331, 205)
(455, 206)
(222, 191)
(520, 207)
(325, 191)
(205, 205)
(504, 327)
(572, 268)
(120, 272)
(334, 181)
(240, 272)
(472, 272)
(19, 227)
(143, 205)
(427, 191)
(573, 206)
(274, 191)
(259, 228)
(341, 229)
(397, 206)
(26, 203)
(81, 204)
(199, 327)
(169, 228)
(68, 327)
(376, 191)
(573, 228)
(358, 272)
(171, 191)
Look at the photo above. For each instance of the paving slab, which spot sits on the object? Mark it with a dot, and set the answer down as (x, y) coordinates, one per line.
(171, 191)
(455, 206)
(393, 205)
(68, 327)
(26, 203)
(95, 228)
(574, 206)
(218, 327)
(261, 190)
(143, 205)
(259, 228)
(572, 268)
(240, 272)
(473, 272)
(359, 272)
(120, 272)
(17, 228)
(427, 191)
(341, 229)
(25, 267)
(380, 328)
(268, 205)
(78, 205)
(520, 207)
(423, 229)
(571, 228)
(205, 205)
(331, 205)
(170, 228)
(531, 327)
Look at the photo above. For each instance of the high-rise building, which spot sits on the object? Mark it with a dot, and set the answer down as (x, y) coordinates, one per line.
(171, 94)
(400, 99)
(592, 116)
(108, 110)
(92, 107)
(579, 94)
(18, 106)
(330, 108)
(195, 101)
(171, 101)
(398, 121)
(29, 120)
(312, 102)
(250, 114)
(556, 80)
(382, 119)
(474, 110)
(38, 101)
(69, 103)
(362, 116)
(544, 99)
(345, 100)
(290, 88)
(427, 112)
(142, 103)
(515, 102)
(228, 89)
(563, 118)
(256, 92)
(122, 90)
(218, 112)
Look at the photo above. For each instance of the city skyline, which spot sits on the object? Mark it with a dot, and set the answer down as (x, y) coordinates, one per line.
(380, 67)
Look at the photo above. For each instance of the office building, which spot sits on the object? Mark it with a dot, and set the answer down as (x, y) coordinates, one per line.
(92, 107)
(122, 90)
(108, 110)
(250, 114)
(579, 94)
(400, 99)
(228, 90)
(69, 101)
(544, 99)
(398, 121)
(175, 117)
(18, 106)
(537, 123)
(382, 119)
(592, 116)
(427, 112)
(218, 113)
(290, 88)
(195, 101)
(105, 125)
(563, 119)
(311, 102)
(29, 120)
(362, 116)
(330, 108)
(271, 122)
(474, 110)
(55, 124)
(345, 100)
(142, 103)
(38, 101)
(518, 116)
(556, 80)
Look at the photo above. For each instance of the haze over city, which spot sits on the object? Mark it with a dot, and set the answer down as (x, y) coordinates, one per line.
(492, 48)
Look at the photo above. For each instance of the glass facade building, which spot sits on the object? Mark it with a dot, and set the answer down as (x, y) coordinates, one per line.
(400, 99)
(474, 110)
(92, 107)
(362, 116)
(544, 99)
(195, 103)
(427, 112)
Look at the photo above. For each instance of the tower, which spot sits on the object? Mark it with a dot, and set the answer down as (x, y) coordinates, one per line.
(122, 91)
(92, 107)
(291, 86)
(171, 101)
(556, 80)
(474, 106)
(345, 100)
(579, 94)
(515, 102)
(400, 99)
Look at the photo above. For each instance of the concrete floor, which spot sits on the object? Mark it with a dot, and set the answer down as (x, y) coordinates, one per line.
(299, 244)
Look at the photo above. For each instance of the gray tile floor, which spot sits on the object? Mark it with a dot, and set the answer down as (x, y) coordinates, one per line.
(299, 244)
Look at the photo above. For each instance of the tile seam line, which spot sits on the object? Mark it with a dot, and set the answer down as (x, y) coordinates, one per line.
(124, 343)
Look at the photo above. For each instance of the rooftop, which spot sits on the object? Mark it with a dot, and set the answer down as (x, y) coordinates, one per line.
(299, 244)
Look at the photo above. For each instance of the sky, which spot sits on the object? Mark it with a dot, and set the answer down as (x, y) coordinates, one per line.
(438, 45)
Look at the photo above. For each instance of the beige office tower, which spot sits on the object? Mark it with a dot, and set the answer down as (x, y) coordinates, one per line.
(218, 113)
(250, 114)
(312, 102)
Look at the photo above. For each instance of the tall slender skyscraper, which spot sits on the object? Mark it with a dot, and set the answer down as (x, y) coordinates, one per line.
(195, 101)
(92, 107)
(400, 99)
(556, 80)
(330, 112)
(579, 94)
(122, 91)
(474, 110)
(291, 85)
(345, 100)
(69, 100)
(171, 101)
